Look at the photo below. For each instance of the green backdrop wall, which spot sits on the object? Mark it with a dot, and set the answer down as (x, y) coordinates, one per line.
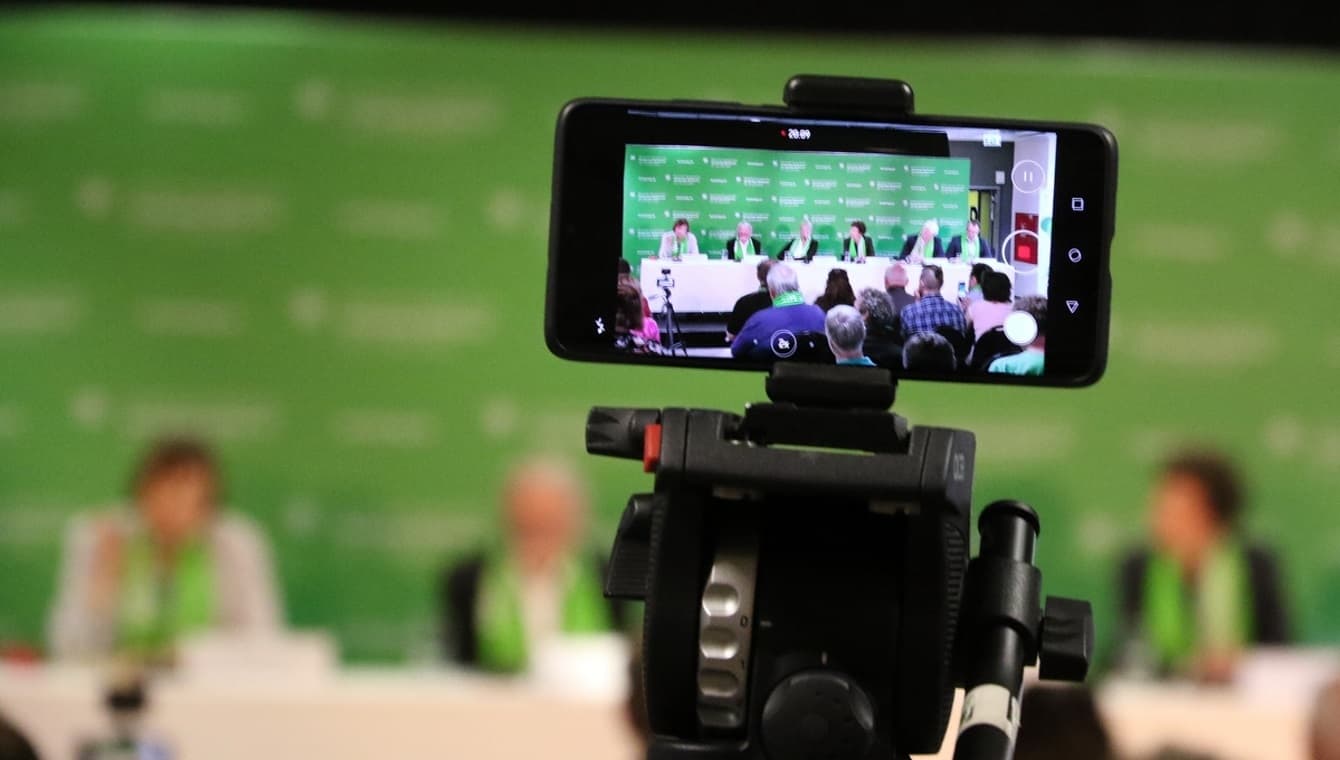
(717, 188)
(322, 244)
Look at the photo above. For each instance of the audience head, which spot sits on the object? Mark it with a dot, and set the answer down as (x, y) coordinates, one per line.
(838, 289)
(929, 230)
(624, 267)
(176, 487)
(1196, 499)
(681, 228)
(877, 307)
(895, 277)
(978, 273)
(782, 279)
(857, 228)
(744, 230)
(996, 288)
(929, 352)
(932, 279)
(973, 229)
(544, 506)
(846, 331)
(628, 308)
(806, 229)
(1036, 307)
(1325, 731)
(1061, 722)
(764, 267)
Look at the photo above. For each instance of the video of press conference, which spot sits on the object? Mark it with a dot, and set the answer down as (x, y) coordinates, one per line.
(926, 264)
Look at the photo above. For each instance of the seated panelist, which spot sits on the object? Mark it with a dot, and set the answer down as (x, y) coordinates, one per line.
(970, 246)
(743, 244)
(678, 241)
(923, 245)
(858, 245)
(803, 247)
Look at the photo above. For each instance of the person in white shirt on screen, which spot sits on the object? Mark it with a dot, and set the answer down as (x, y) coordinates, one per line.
(803, 247)
(678, 241)
(743, 244)
(173, 564)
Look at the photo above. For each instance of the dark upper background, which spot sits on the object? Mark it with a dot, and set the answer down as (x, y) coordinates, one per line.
(1289, 24)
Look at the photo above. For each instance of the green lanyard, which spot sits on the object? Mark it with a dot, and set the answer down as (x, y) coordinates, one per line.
(679, 247)
(789, 298)
(744, 250)
(858, 246)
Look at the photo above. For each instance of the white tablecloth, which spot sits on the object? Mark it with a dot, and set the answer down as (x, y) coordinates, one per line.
(715, 285)
(406, 714)
(353, 715)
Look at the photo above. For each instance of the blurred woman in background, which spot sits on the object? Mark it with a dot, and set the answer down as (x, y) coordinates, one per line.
(836, 291)
(1200, 593)
(174, 564)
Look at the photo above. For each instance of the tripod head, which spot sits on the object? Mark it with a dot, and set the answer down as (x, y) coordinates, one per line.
(807, 584)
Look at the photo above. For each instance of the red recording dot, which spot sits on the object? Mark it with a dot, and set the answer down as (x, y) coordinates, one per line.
(783, 132)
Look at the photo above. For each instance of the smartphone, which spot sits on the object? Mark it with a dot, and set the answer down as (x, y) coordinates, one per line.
(729, 236)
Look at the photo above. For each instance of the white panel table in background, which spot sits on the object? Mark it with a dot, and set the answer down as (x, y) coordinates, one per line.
(410, 714)
(713, 286)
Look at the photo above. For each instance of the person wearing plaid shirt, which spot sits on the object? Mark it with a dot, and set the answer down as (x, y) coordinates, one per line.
(932, 311)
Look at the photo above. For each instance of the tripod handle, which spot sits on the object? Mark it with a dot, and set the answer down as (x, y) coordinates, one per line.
(1002, 616)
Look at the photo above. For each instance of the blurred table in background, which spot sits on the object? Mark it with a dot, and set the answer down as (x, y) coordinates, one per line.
(356, 714)
(1221, 723)
(408, 714)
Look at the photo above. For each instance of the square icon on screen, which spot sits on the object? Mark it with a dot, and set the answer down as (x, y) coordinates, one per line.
(1076, 204)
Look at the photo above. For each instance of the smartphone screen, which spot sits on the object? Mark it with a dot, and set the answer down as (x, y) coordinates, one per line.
(728, 236)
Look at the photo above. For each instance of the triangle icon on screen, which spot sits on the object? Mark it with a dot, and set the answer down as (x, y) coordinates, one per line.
(1072, 305)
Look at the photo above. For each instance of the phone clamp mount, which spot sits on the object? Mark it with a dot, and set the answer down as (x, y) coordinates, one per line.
(805, 566)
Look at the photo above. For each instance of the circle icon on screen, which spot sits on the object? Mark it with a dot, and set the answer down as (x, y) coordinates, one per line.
(1028, 176)
(1075, 255)
(1020, 328)
(783, 344)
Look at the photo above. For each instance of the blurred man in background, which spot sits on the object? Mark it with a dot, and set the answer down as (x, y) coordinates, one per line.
(970, 246)
(923, 245)
(138, 581)
(539, 584)
(932, 311)
(1200, 593)
(802, 247)
(750, 304)
(776, 328)
(743, 244)
(895, 284)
